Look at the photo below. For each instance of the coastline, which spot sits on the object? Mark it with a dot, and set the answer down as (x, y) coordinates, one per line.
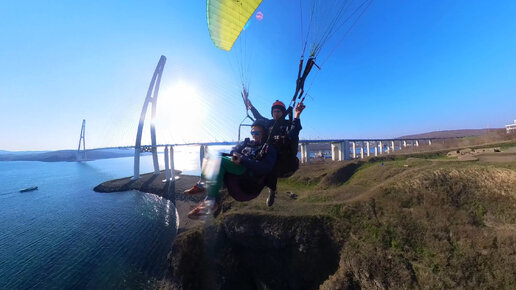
(154, 184)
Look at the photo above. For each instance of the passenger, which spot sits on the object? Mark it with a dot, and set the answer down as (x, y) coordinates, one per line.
(285, 139)
(254, 159)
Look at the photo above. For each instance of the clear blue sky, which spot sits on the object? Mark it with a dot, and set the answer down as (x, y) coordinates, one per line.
(406, 67)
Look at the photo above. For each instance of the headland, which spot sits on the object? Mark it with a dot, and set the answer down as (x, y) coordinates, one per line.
(170, 190)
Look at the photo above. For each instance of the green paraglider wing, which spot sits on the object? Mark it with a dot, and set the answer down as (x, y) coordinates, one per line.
(227, 18)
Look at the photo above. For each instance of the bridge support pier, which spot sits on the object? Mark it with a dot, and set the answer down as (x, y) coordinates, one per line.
(380, 145)
(170, 174)
(203, 150)
(417, 143)
(346, 150)
(167, 168)
(336, 151)
(353, 150)
(368, 149)
(305, 153)
(375, 148)
(173, 176)
(362, 150)
(340, 151)
(429, 142)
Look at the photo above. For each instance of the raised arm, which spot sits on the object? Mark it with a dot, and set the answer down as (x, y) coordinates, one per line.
(256, 114)
(299, 109)
(295, 127)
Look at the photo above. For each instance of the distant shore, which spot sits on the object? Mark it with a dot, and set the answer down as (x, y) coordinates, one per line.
(64, 155)
(154, 184)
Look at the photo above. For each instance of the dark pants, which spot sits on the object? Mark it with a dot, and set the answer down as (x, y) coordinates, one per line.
(271, 181)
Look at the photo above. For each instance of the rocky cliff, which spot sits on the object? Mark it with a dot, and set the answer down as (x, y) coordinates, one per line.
(247, 251)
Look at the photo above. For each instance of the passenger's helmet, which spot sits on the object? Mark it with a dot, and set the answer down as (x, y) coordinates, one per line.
(278, 105)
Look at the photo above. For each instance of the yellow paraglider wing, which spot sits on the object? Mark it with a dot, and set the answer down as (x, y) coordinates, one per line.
(227, 18)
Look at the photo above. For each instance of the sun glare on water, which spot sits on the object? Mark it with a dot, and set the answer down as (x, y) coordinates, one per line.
(181, 113)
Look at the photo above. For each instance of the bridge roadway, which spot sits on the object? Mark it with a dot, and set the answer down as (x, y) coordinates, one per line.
(229, 143)
(341, 149)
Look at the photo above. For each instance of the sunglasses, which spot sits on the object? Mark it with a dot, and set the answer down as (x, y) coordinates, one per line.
(256, 133)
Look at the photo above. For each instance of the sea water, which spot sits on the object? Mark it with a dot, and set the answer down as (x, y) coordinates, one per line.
(64, 235)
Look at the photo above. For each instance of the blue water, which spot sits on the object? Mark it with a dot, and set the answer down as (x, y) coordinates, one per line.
(65, 235)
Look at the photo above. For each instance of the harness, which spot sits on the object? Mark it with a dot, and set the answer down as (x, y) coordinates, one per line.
(287, 162)
(248, 185)
(252, 151)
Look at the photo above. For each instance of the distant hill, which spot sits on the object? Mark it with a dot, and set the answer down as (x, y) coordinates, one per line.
(454, 133)
(63, 155)
(20, 152)
(435, 134)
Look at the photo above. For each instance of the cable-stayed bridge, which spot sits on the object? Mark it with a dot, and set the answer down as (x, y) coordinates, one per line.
(341, 149)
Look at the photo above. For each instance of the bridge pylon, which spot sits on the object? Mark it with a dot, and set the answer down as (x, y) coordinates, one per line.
(152, 98)
(80, 156)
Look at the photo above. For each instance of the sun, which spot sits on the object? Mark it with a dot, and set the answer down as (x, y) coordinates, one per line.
(181, 113)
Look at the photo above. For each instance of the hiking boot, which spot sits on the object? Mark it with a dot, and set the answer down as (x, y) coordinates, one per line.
(205, 208)
(195, 189)
(270, 199)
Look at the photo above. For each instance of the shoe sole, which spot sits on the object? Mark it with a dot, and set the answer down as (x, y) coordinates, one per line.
(202, 216)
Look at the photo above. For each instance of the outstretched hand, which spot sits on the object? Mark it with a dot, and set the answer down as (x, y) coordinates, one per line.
(245, 96)
(299, 108)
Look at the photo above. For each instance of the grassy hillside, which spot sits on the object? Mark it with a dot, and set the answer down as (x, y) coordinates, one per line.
(400, 221)
(457, 133)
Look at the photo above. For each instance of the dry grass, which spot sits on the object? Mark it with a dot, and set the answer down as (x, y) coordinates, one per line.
(408, 221)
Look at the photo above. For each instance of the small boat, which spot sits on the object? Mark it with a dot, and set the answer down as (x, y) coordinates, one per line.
(29, 189)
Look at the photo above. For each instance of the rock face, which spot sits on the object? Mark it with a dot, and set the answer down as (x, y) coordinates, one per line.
(256, 252)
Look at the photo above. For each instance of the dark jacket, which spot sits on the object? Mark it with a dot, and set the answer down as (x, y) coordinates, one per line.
(253, 160)
(284, 129)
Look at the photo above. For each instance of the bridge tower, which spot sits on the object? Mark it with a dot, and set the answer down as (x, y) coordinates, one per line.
(152, 97)
(82, 140)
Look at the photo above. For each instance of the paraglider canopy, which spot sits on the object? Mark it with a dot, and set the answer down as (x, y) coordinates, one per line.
(227, 18)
